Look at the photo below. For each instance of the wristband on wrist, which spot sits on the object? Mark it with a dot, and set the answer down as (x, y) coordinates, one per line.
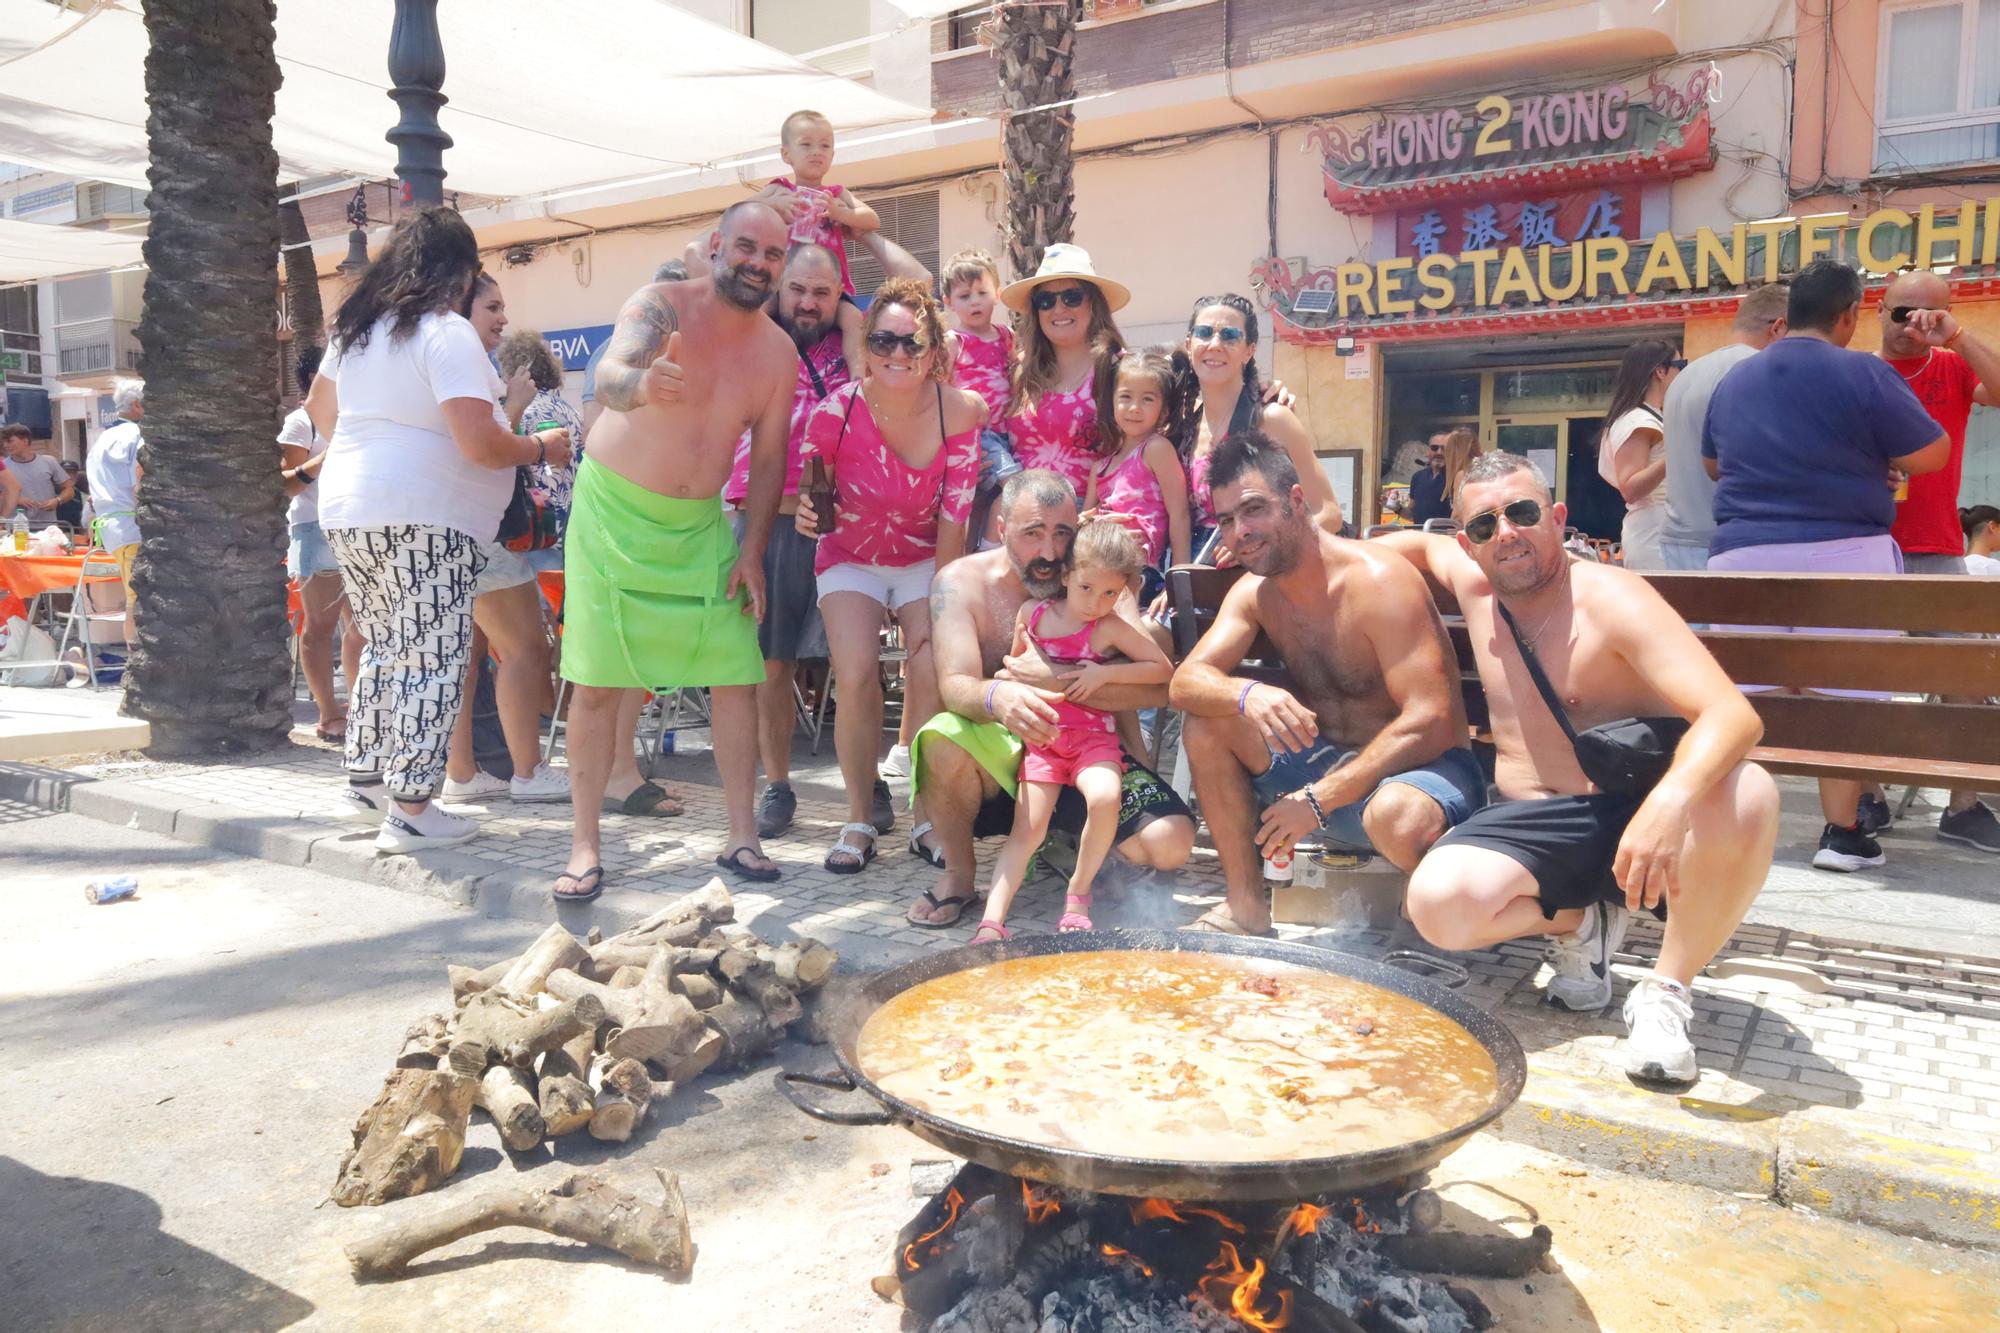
(1956, 334)
(541, 450)
(1306, 793)
(989, 697)
(1244, 697)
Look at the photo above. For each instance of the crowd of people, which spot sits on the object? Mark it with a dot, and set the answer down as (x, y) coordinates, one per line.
(769, 469)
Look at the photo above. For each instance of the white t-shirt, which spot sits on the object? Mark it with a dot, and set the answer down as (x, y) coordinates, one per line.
(1982, 564)
(392, 460)
(1616, 434)
(298, 430)
(113, 468)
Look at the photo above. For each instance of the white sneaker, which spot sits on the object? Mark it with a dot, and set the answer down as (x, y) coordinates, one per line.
(544, 786)
(367, 802)
(897, 765)
(1582, 959)
(403, 832)
(1657, 1013)
(481, 786)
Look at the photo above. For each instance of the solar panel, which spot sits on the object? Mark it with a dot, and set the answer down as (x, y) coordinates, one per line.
(1315, 301)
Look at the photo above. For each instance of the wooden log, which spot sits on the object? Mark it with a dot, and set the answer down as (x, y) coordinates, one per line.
(626, 977)
(711, 902)
(555, 948)
(652, 1021)
(517, 1037)
(467, 982)
(801, 964)
(702, 990)
(834, 1011)
(620, 1096)
(591, 1208)
(409, 1139)
(507, 1094)
(781, 1007)
(742, 1027)
(689, 1064)
(1465, 1254)
(425, 1043)
(563, 1093)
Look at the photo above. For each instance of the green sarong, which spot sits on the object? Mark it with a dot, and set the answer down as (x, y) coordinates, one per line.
(643, 580)
(992, 746)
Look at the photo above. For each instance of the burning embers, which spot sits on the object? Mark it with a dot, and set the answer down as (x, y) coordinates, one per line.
(993, 1254)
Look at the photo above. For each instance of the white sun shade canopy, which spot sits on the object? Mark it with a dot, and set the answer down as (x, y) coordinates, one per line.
(541, 97)
(931, 9)
(30, 251)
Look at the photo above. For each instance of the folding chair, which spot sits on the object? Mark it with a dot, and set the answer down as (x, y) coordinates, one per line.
(98, 568)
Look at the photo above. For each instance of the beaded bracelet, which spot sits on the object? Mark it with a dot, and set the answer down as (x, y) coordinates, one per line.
(1313, 801)
(1244, 697)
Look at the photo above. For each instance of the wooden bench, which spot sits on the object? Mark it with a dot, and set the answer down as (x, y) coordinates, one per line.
(1913, 739)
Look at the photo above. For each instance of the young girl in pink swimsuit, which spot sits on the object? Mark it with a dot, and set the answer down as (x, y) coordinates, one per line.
(1081, 629)
(1139, 481)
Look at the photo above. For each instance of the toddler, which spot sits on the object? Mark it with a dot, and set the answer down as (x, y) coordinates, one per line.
(982, 355)
(822, 214)
(1081, 629)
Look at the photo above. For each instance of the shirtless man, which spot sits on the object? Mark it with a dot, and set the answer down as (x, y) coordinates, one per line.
(1371, 752)
(1556, 855)
(964, 760)
(659, 594)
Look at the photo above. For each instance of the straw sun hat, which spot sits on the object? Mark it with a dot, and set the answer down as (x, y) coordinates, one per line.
(1062, 261)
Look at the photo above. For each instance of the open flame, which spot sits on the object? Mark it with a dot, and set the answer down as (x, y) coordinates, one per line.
(1361, 1222)
(1303, 1220)
(1113, 1252)
(953, 1201)
(1234, 1288)
(1039, 1208)
(1152, 1210)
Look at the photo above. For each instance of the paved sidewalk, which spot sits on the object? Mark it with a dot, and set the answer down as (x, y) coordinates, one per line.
(1862, 1077)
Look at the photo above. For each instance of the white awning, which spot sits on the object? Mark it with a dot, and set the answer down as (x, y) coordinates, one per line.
(30, 251)
(542, 97)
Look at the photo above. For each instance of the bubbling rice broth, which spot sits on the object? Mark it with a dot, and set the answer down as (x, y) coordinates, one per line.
(1177, 1056)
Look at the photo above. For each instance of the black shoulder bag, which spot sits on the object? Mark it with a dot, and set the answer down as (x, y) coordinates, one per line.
(1625, 758)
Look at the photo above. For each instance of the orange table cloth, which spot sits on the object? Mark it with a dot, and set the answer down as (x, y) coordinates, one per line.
(29, 576)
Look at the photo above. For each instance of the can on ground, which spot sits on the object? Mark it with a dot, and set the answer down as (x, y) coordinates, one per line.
(110, 890)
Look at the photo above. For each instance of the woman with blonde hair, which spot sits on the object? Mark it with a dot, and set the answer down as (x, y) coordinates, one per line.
(1460, 448)
(903, 450)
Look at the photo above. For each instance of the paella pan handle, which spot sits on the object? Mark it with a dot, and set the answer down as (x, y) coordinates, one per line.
(787, 1081)
(1430, 967)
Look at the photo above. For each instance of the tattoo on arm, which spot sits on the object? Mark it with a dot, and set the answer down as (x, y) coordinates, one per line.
(643, 326)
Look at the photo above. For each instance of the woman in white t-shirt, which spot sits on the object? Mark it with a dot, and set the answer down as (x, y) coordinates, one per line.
(417, 475)
(1982, 539)
(1632, 451)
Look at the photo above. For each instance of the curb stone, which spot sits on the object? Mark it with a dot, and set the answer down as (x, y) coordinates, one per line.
(1797, 1157)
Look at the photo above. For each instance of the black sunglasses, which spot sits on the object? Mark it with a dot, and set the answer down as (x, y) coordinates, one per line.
(1677, 363)
(1479, 529)
(1044, 299)
(1900, 314)
(1224, 333)
(882, 343)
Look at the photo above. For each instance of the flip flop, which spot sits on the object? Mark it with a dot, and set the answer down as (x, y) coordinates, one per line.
(332, 737)
(859, 856)
(999, 931)
(935, 855)
(1072, 919)
(595, 876)
(1216, 921)
(733, 860)
(648, 798)
(938, 903)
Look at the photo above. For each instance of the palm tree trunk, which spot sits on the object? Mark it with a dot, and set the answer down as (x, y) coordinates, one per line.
(1036, 43)
(209, 670)
(301, 278)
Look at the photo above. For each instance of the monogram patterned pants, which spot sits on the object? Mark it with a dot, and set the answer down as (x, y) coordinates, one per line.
(411, 590)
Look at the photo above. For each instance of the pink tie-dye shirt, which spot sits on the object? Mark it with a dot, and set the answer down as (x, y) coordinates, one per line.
(1131, 488)
(823, 357)
(1059, 433)
(983, 366)
(812, 226)
(888, 511)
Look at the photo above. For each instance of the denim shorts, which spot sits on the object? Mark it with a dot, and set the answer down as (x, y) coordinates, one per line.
(1453, 780)
(309, 555)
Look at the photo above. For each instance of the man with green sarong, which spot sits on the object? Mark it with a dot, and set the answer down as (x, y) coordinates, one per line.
(964, 761)
(658, 593)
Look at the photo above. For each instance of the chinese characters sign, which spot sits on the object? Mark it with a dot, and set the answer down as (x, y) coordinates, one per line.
(1558, 220)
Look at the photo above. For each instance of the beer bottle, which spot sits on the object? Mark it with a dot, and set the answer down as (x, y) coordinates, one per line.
(817, 483)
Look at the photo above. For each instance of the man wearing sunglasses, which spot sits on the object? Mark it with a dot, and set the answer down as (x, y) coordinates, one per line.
(1948, 369)
(1555, 856)
(1427, 499)
(1369, 750)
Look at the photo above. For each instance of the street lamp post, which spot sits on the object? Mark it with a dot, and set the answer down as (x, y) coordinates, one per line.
(416, 71)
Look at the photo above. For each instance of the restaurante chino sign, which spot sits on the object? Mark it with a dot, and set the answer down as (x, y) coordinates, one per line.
(1883, 242)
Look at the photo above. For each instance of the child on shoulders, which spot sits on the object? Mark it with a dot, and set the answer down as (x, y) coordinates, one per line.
(821, 214)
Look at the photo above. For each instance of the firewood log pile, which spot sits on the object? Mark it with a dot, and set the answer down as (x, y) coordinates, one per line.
(576, 1035)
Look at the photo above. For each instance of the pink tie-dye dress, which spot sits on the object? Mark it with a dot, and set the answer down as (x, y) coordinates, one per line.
(888, 511)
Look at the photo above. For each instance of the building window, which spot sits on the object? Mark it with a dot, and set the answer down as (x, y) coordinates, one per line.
(911, 221)
(82, 360)
(1939, 85)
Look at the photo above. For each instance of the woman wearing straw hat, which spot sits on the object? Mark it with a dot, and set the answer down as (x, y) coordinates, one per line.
(1067, 340)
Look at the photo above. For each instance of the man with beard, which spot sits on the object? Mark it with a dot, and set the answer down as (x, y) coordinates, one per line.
(1370, 754)
(1557, 855)
(965, 761)
(808, 297)
(659, 593)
